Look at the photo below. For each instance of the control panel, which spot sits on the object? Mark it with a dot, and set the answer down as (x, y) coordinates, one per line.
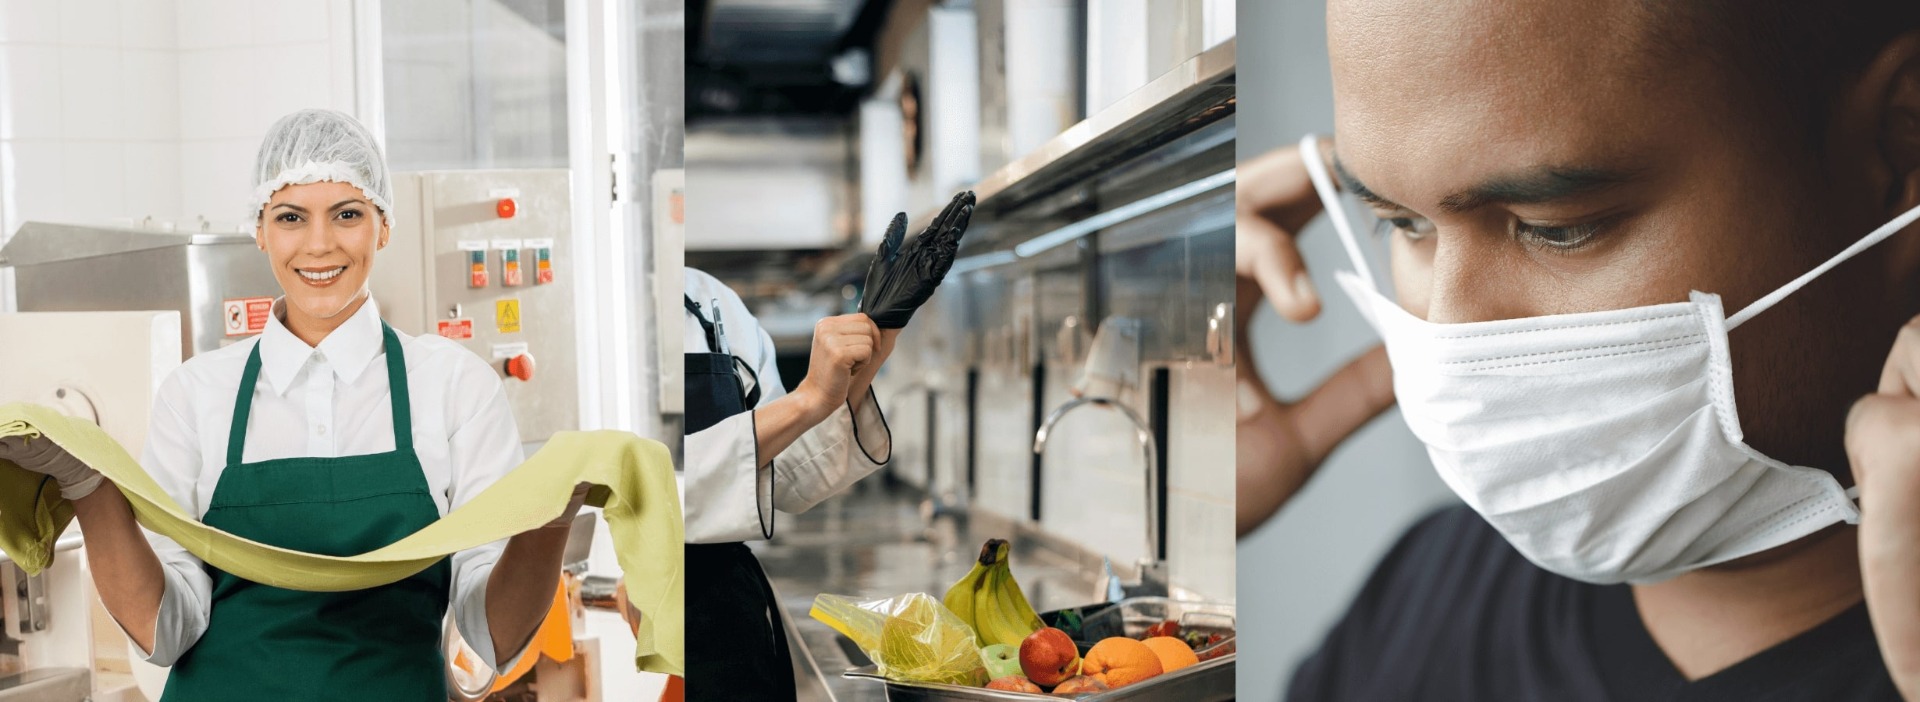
(480, 257)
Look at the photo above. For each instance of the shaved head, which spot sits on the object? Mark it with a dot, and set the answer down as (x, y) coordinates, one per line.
(1790, 57)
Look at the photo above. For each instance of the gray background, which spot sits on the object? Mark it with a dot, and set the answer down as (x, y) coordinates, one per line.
(1298, 571)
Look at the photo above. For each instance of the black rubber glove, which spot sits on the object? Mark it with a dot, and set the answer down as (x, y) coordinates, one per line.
(899, 281)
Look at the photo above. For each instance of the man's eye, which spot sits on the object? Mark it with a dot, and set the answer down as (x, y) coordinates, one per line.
(1413, 228)
(1558, 238)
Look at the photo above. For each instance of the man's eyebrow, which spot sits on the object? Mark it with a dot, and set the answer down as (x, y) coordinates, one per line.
(1359, 189)
(1544, 184)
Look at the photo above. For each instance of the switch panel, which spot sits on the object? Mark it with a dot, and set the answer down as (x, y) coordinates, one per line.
(455, 268)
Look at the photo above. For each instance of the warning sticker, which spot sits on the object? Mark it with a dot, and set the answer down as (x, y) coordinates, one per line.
(247, 315)
(506, 315)
(456, 328)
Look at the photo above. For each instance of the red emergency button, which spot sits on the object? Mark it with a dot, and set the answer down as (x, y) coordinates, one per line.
(505, 208)
(521, 367)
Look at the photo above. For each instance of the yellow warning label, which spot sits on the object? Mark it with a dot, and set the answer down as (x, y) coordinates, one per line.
(506, 315)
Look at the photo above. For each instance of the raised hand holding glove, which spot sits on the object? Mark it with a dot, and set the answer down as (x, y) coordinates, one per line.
(842, 347)
(42, 456)
(899, 281)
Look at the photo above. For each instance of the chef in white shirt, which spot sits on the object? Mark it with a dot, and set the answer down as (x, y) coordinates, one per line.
(822, 437)
(754, 449)
(330, 433)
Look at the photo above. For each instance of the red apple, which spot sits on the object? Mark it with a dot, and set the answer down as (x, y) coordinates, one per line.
(1014, 683)
(1048, 656)
(1079, 684)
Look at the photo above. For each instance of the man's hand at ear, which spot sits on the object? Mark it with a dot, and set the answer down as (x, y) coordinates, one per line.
(1281, 444)
(1883, 444)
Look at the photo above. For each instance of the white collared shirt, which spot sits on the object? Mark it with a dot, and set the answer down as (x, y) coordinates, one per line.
(328, 401)
(726, 488)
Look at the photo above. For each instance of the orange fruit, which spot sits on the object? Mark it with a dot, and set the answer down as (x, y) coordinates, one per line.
(1174, 654)
(1120, 661)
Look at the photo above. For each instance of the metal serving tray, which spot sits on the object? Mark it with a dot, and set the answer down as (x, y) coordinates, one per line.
(1210, 681)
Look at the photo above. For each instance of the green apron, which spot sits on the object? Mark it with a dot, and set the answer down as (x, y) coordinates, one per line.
(268, 643)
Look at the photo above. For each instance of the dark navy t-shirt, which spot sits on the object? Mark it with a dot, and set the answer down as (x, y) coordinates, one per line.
(1455, 613)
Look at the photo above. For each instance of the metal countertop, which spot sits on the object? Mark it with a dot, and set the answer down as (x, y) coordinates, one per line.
(874, 542)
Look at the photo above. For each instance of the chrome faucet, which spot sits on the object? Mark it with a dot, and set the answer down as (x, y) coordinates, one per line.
(1153, 568)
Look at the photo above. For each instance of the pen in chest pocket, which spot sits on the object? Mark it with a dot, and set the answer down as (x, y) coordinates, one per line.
(719, 328)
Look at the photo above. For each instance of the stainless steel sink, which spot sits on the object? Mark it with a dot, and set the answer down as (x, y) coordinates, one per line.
(873, 543)
(47, 685)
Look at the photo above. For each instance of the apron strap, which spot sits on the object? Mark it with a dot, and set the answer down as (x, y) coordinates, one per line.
(243, 406)
(401, 401)
(1336, 209)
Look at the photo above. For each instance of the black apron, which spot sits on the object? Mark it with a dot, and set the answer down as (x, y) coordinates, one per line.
(736, 646)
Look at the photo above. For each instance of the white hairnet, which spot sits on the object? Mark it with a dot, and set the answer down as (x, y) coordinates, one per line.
(310, 146)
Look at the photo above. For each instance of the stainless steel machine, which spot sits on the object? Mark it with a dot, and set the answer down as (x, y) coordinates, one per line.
(220, 283)
(480, 257)
(56, 642)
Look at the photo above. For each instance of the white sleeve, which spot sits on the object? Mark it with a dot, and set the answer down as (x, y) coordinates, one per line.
(172, 457)
(831, 456)
(730, 488)
(482, 449)
(719, 497)
(729, 493)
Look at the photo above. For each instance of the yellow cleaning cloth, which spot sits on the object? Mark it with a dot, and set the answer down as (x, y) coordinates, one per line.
(633, 483)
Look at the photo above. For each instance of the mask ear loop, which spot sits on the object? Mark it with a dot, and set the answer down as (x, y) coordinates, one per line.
(1336, 210)
(1878, 235)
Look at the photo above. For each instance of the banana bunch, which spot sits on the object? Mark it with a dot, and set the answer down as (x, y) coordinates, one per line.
(989, 600)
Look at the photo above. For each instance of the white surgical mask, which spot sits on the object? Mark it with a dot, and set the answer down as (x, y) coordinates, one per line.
(1605, 446)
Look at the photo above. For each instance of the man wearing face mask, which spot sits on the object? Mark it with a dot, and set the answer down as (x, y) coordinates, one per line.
(1655, 283)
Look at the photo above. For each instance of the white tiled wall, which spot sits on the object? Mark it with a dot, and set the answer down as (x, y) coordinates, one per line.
(1200, 490)
(242, 65)
(1094, 483)
(1004, 424)
(1093, 479)
(472, 85)
(124, 109)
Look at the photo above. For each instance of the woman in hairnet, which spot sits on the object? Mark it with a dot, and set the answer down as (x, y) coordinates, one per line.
(330, 433)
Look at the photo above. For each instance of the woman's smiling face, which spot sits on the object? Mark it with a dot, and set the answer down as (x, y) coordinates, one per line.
(320, 239)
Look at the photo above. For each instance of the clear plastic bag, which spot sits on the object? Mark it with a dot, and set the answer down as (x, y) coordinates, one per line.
(910, 637)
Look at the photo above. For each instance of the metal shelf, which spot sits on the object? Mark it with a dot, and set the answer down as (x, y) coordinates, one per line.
(1193, 95)
(1172, 112)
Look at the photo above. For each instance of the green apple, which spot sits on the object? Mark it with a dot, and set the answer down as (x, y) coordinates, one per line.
(1002, 660)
